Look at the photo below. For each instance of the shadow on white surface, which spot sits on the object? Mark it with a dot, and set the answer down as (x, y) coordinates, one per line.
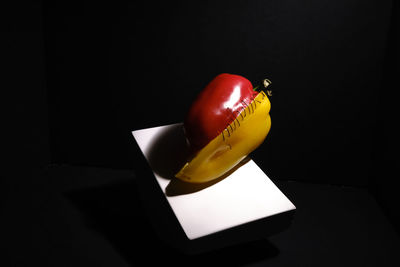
(167, 151)
(171, 142)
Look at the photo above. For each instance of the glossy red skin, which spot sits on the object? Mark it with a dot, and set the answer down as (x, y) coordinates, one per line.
(218, 105)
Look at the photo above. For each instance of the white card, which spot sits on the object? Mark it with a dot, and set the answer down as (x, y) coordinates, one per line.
(246, 195)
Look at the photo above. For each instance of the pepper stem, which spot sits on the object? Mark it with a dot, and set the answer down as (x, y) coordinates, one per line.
(264, 84)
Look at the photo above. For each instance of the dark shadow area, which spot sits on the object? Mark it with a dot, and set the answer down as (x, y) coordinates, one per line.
(168, 153)
(386, 133)
(335, 226)
(115, 212)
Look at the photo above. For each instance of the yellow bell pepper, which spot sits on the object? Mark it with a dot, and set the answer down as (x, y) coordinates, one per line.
(247, 129)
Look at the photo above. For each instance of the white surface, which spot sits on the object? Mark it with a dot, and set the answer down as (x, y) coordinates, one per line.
(244, 196)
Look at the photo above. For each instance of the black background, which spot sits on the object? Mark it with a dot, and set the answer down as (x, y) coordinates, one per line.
(112, 68)
(82, 75)
(115, 68)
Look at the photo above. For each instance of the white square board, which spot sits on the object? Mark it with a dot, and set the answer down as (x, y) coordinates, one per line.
(244, 196)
